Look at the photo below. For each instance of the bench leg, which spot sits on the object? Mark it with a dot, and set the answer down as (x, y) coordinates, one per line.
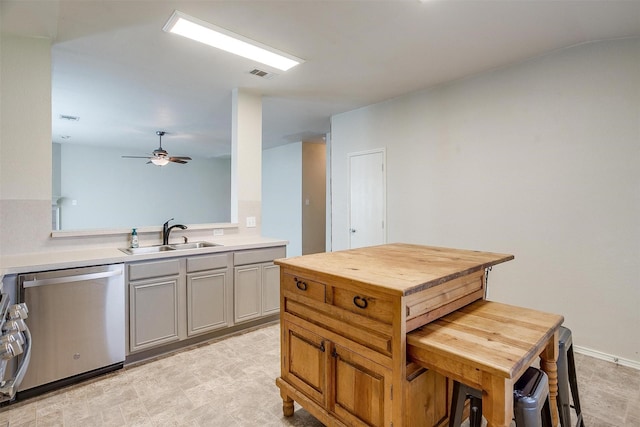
(497, 400)
(548, 359)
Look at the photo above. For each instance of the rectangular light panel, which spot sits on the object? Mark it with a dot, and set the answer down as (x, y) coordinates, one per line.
(204, 32)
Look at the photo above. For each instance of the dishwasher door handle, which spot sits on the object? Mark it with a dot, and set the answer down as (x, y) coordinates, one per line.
(66, 279)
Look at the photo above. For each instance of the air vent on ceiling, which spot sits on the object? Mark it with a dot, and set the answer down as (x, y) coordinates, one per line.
(70, 118)
(262, 73)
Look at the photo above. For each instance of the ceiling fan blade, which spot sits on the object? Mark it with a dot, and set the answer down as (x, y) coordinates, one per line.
(181, 157)
(176, 160)
(135, 157)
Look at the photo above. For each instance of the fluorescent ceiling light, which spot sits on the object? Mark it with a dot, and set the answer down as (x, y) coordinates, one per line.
(204, 32)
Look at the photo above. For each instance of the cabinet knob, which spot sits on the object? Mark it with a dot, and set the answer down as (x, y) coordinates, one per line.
(360, 302)
(301, 285)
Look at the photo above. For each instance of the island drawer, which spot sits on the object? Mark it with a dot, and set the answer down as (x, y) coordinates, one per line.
(444, 298)
(364, 304)
(302, 286)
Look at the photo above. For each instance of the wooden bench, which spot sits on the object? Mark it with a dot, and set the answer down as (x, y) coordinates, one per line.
(488, 345)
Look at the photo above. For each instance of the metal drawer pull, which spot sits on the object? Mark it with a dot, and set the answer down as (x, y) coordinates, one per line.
(300, 284)
(360, 302)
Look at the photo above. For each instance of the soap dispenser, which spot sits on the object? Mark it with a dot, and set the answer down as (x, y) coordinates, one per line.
(134, 238)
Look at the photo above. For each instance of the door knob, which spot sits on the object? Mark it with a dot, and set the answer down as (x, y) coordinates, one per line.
(353, 230)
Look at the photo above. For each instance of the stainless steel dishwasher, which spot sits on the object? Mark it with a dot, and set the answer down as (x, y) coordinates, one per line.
(77, 323)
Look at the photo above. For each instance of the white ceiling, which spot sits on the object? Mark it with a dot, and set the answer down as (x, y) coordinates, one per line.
(125, 78)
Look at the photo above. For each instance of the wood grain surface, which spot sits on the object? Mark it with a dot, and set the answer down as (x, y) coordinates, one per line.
(494, 337)
(397, 268)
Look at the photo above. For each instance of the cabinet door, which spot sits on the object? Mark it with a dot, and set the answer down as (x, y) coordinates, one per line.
(153, 313)
(361, 394)
(247, 295)
(304, 361)
(207, 301)
(270, 289)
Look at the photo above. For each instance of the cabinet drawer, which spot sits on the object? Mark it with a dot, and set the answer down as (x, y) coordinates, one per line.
(442, 299)
(259, 255)
(206, 262)
(363, 304)
(302, 286)
(145, 270)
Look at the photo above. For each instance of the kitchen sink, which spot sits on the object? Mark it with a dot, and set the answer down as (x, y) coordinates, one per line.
(165, 248)
(147, 249)
(194, 245)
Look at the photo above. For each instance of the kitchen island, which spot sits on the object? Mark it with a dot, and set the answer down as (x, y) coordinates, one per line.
(344, 318)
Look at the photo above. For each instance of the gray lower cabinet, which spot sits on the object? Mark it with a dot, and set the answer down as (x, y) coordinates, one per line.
(270, 289)
(209, 294)
(256, 283)
(154, 303)
(178, 298)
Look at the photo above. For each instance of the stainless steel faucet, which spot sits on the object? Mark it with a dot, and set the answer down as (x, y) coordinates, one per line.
(166, 230)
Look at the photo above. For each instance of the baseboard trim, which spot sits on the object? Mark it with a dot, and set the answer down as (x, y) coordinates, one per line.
(608, 357)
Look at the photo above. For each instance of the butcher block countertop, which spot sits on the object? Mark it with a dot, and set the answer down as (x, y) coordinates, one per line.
(397, 268)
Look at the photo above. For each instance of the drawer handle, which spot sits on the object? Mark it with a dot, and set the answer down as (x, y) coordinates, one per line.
(360, 302)
(321, 347)
(301, 285)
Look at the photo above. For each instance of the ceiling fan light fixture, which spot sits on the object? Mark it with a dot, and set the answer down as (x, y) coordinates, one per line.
(209, 34)
(159, 161)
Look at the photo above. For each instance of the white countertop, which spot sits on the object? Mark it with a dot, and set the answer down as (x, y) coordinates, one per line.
(54, 260)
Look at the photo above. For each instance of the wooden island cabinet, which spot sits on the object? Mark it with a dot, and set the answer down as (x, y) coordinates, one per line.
(344, 318)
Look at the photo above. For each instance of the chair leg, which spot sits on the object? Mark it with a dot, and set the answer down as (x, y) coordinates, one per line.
(461, 393)
(564, 397)
(475, 412)
(573, 382)
(457, 406)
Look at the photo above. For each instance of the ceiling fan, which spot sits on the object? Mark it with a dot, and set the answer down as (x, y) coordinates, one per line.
(160, 157)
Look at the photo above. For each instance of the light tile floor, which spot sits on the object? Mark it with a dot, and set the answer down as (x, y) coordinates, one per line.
(231, 382)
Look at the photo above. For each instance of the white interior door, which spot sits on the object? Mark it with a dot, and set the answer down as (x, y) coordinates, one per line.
(367, 202)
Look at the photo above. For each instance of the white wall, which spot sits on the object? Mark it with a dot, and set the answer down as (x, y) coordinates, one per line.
(26, 99)
(541, 160)
(281, 192)
(25, 143)
(246, 158)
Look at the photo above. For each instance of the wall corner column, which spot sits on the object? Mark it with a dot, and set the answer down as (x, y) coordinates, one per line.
(246, 159)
